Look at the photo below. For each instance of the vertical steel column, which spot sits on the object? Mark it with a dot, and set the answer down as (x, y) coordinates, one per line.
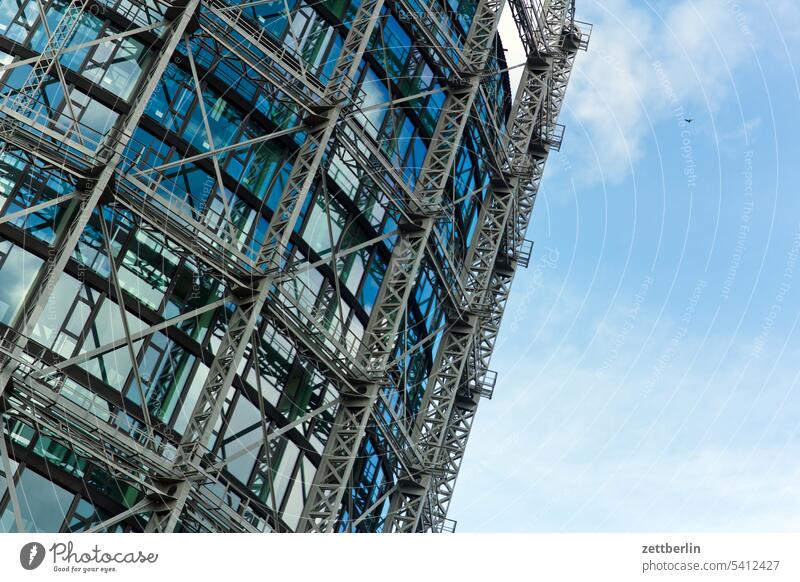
(463, 413)
(335, 471)
(455, 444)
(431, 423)
(449, 365)
(499, 285)
(487, 239)
(271, 255)
(80, 210)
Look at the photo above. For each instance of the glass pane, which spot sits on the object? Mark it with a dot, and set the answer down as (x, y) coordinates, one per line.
(243, 431)
(17, 271)
(43, 504)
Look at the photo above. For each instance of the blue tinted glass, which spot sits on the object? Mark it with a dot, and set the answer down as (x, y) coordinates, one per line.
(43, 504)
(18, 268)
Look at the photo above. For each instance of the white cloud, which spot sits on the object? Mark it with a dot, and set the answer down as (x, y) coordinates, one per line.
(709, 447)
(619, 418)
(642, 64)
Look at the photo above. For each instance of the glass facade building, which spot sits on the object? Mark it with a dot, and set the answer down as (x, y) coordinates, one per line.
(253, 254)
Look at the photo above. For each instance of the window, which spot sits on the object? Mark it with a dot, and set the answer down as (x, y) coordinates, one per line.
(282, 456)
(146, 270)
(243, 432)
(86, 516)
(394, 49)
(164, 369)
(43, 504)
(112, 367)
(17, 18)
(373, 100)
(114, 65)
(372, 283)
(63, 305)
(18, 269)
(185, 411)
(298, 493)
(325, 225)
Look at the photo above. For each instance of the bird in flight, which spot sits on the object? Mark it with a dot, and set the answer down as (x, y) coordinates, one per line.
(688, 120)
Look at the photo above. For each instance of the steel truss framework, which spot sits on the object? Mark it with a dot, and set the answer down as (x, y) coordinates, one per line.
(445, 419)
(176, 478)
(561, 51)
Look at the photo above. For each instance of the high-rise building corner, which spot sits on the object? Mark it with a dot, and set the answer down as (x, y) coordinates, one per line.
(254, 256)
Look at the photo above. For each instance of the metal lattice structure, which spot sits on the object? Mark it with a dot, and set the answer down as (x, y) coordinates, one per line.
(261, 253)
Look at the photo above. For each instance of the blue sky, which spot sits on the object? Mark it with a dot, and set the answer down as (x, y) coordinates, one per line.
(648, 363)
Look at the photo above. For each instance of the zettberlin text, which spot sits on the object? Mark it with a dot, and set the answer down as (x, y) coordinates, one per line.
(687, 548)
